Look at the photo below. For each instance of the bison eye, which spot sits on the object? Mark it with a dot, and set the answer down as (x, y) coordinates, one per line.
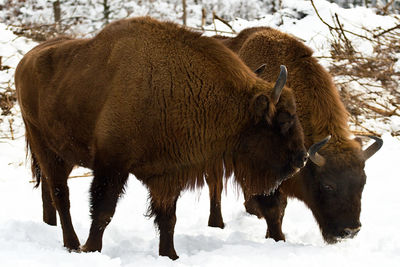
(285, 121)
(327, 188)
(285, 127)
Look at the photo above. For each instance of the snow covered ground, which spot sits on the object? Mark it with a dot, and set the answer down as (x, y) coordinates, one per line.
(131, 239)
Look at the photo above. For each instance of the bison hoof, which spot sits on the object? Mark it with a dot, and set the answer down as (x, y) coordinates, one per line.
(72, 245)
(275, 236)
(78, 250)
(222, 225)
(50, 221)
(216, 224)
(171, 255)
(86, 248)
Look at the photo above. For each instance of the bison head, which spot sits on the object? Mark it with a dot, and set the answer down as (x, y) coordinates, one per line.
(335, 184)
(271, 149)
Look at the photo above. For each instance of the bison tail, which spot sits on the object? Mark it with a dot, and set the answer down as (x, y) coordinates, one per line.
(36, 172)
(35, 168)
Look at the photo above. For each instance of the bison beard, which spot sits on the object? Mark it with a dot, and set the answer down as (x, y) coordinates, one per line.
(156, 100)
(332, 182)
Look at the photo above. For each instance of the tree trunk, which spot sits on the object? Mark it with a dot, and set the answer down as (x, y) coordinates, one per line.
(57, 11)
(184, 12)
(106, 11)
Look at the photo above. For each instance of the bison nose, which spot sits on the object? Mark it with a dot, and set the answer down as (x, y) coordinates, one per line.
(300, 159)
(351, 232)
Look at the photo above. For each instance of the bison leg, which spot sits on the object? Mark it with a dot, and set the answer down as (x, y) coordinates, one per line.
(272, 208)
(49, 211)
(163, 208)
(60, 194)
(215, 187)
(56, 171)
(107, 186)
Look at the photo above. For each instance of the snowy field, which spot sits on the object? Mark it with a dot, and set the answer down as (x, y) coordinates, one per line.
(131, 239)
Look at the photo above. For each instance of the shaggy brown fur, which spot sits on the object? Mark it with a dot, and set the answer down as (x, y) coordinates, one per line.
(333, 191)
(158, 101)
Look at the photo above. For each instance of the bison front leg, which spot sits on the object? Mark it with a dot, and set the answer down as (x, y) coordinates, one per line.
(215, 187)
(163, 208)
(272, 208)
(107, 186)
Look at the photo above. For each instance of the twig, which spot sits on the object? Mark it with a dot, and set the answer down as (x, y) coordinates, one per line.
(366, 129)
(10, 121)
(320, 18)
(215, 25)
(344, 35)
(385, 8)
(386, 31)
(88, 174)
(365, 134)
(208, 30)
(203, 18)
(382, 112)
(223, 21)
(337, 29)
(9, 138)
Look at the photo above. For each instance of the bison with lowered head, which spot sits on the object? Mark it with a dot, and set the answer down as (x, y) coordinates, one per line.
(161, 102)
(331, 184)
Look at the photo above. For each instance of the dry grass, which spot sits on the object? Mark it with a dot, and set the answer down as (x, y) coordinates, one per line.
(7, 100)
(368, 83)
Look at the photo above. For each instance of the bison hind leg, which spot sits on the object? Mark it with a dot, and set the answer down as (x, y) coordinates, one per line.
(49, 211)
(55, 170)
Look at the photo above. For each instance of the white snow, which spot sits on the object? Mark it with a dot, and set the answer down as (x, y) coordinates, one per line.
(131, 239)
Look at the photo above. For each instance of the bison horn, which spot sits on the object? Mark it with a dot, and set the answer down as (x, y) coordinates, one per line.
(280, 82)
(372, 149)
(313, 152)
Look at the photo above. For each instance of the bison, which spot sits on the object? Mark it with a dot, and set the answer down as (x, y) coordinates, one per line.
(161, 102)
(332, 182)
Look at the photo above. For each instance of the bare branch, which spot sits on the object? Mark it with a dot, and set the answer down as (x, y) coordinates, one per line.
(386, 31)
(223, 21)
(335, 28)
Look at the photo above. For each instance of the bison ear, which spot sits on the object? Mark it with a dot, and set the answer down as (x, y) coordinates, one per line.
(359, 140)
(261, 108)
(260, 69)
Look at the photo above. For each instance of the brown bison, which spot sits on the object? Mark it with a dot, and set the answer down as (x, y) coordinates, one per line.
(161, 102)
(331, 184)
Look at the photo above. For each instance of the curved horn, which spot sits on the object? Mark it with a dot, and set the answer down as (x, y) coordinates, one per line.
(313, 152)
(372, 149)
(280, 82)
